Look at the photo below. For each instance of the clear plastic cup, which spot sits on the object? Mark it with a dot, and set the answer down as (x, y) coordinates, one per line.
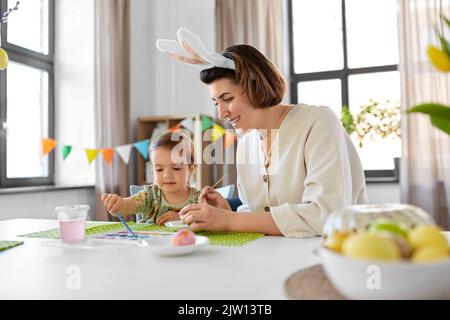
(72, 221)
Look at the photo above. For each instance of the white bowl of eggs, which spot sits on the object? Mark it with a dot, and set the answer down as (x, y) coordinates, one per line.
(389, 251)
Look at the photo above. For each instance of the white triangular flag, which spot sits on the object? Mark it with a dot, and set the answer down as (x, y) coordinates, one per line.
(188, 123)
(124, 152)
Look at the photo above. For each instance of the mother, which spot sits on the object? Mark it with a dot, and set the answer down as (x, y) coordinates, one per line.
(309, 166)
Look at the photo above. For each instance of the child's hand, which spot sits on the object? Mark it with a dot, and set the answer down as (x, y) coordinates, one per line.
(112, 202)
(210, 196)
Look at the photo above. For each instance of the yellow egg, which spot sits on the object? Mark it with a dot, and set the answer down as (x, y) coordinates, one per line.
(427, 236)
(429, 253)
(336, 240)
(3, 59)
(371, 246)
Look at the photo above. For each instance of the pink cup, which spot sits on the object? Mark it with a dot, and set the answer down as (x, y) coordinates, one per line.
(72, 220)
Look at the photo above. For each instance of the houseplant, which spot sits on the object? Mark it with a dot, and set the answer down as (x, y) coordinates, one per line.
(440, 58)
(375, 119)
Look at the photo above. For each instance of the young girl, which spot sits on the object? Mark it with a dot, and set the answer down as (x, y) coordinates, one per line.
(172, 157)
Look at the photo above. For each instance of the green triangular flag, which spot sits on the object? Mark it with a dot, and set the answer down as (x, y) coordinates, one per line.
(206, 123)
(65, 151)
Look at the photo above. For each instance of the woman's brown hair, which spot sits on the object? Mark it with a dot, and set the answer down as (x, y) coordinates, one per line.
(263, 83)
(170, 140)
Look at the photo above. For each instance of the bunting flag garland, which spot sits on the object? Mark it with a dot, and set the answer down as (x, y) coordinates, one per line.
(107, 154)
(142, 147)
(124, 152)
(66, 151)
(91, 155)
(48, 145)
(229, 139)
(175, 128)
(206, 123)
(217, 132)
(188, 123)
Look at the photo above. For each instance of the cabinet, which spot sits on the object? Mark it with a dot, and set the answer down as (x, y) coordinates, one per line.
(144, 130)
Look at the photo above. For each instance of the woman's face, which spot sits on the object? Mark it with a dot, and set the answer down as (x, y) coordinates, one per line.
(232, 104)
(170, 176)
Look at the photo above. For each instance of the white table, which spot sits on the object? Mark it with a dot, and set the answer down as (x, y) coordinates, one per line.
(257, 270)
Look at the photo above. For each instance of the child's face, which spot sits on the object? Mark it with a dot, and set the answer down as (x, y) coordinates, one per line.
(170, 176)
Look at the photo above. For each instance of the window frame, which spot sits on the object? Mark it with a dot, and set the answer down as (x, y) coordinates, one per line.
(35, 60)
(343, 75)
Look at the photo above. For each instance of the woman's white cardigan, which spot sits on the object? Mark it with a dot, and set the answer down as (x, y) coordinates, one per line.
(314, 170)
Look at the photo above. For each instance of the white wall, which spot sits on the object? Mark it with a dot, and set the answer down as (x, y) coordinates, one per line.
(41, 205)
(383, 192)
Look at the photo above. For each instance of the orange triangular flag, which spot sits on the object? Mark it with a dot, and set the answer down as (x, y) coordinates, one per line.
(107, 154)
(48, 145)
(229, 139)
(91, 154)
(175, 128)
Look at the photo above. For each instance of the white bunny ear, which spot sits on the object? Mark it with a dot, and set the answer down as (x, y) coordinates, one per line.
(175, 49)
(192, 44)
(190, 49)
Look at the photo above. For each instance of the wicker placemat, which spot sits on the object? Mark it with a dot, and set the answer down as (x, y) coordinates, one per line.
(311, 284)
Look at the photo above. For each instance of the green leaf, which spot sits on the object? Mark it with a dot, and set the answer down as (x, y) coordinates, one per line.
(445, 45)
(443, 124)
(432, 109)
(439, 114)
(446, 20)
(347, 120)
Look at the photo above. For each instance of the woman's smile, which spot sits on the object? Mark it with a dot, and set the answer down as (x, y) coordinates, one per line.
(234, 121)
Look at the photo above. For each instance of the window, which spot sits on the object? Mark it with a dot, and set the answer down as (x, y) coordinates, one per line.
(26, 93)
(345, 53)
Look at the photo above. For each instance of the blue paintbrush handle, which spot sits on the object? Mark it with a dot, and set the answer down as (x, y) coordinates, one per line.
(126, 225)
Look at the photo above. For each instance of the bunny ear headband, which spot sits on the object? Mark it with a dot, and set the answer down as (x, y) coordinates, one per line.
(191, 50)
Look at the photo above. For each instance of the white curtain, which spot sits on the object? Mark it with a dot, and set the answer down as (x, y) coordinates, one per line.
(254, 22)
(112, 90)
(425, 167)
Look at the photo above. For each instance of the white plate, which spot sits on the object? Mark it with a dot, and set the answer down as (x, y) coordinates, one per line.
(162, 246)
(176, 225)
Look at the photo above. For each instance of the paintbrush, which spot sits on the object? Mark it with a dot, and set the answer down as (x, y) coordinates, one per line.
(215, 184)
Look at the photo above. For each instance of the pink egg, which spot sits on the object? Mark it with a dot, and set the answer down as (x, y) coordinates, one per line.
(183, 237)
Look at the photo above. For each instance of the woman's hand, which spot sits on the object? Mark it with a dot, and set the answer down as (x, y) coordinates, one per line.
(206, 217)
(210, 196)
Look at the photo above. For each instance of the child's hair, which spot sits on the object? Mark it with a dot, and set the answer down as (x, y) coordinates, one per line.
(263, 83)
(171, 140)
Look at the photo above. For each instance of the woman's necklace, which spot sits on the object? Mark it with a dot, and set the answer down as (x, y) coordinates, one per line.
(268, 138)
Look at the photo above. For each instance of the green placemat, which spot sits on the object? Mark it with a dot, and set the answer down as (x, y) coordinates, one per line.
(5, 245)
(215, 238)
